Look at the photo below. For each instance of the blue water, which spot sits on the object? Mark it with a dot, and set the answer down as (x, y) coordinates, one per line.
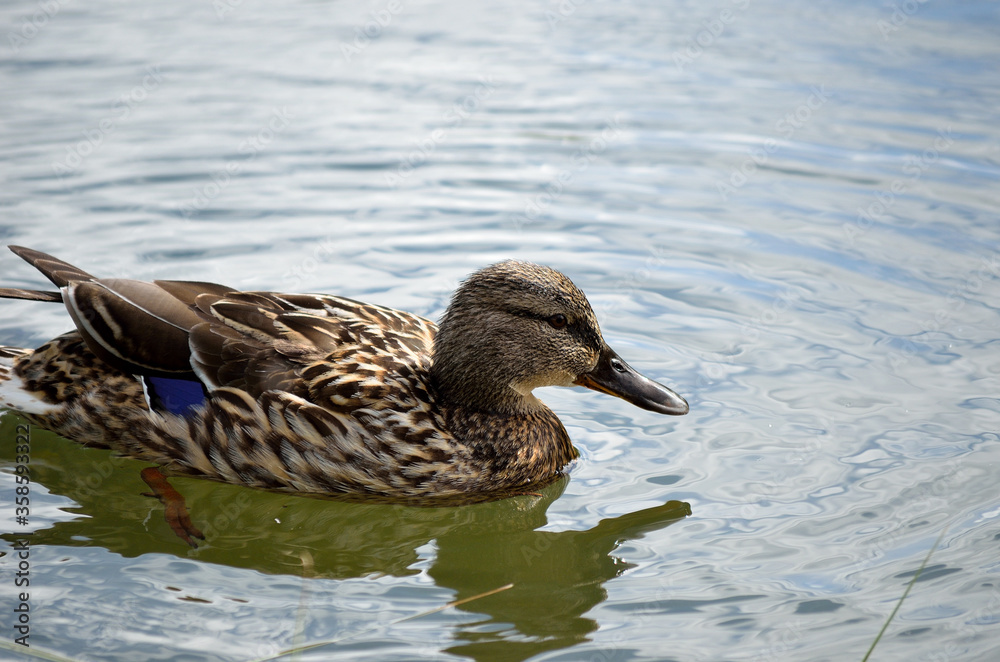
(787, 212)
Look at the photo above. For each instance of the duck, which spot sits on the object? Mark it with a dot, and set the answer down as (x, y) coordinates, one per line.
(321, 394)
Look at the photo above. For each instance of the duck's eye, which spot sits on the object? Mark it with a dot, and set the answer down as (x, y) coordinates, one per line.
(557, 321)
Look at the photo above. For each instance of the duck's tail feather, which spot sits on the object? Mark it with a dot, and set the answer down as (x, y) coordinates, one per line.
(59, 272)
(12, 396)
(31, 295)
(7, 357)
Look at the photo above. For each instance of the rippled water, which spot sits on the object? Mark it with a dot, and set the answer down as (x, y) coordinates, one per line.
(787, 212)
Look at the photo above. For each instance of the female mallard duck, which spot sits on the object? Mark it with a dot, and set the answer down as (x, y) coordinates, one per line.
(321, 394)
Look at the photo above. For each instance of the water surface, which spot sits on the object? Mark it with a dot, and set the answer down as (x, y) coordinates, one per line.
(787, 213)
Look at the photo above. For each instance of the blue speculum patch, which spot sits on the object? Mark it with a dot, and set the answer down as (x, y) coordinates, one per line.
(177, 396)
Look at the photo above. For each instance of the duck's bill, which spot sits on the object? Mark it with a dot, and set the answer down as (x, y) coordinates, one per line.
(615, 377)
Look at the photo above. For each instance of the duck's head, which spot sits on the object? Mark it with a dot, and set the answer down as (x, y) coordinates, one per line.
(514, 326)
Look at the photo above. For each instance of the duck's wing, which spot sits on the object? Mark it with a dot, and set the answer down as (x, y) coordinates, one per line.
(329, 350)
(319, 347)
(135, 326)
(310, 346)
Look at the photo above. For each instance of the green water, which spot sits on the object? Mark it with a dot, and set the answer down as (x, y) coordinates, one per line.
(549, 579)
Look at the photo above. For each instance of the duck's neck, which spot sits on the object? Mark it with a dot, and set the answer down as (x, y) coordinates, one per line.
(469, 369)
(466, 386)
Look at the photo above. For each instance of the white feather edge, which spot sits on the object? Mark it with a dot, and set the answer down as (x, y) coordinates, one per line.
(13, 395)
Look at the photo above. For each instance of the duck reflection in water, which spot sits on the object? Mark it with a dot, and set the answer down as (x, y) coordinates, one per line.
(557, 576)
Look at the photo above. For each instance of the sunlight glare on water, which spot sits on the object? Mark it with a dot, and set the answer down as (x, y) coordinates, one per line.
(786, 213)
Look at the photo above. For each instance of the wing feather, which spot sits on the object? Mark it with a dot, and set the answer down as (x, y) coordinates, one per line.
(333, 351)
